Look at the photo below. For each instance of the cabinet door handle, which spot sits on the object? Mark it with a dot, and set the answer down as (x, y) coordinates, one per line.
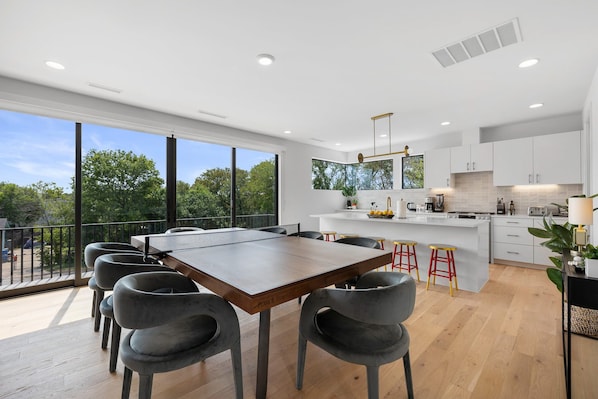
(512, 235)
(530, 179)
(509, 222)
(537, 178)
(513, 252)
(467, 168)
(473, 166)
(448, 182)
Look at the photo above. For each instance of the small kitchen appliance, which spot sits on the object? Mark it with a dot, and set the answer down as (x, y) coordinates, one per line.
(429, 201)
(500, 206)
(439, 205)
(537, 211)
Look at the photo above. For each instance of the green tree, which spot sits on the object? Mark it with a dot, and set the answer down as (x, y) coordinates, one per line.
(260, 188)
(57, 206)
(120, 186)
(20, 205)
(196, 201)
(217, 181)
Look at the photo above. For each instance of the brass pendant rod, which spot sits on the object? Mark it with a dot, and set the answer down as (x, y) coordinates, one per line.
(361, 157)
(388, 115)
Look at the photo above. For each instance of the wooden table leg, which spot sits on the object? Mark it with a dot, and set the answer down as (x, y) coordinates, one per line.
(263, 348)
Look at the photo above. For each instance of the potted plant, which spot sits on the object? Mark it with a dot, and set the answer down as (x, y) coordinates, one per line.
(349, 192)
(590, 255)
(559, 239)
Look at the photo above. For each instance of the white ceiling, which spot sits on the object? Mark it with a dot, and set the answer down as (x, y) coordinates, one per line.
(338, 62)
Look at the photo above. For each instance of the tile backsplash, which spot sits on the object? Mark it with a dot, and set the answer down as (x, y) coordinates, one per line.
(476, 192)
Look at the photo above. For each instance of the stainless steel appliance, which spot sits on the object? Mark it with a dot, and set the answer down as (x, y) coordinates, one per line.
(537, 211)
(429, 202)
(439, 205)
(469, 215)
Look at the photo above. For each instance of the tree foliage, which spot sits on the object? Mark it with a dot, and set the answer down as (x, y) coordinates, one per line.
(20, 205)
(120, 186)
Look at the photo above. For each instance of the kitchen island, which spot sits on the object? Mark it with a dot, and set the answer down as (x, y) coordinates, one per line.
(470, 236)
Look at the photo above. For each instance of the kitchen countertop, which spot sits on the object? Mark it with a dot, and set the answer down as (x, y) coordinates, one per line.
(431, 219)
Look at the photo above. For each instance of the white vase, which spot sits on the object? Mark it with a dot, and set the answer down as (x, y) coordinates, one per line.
(591, 266)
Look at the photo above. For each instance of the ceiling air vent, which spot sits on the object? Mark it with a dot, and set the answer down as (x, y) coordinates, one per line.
(481, 43)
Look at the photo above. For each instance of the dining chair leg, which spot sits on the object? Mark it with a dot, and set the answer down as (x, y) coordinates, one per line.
(145, 386)
(97, 314)
(114, 345)
(106, 332)
(235, 354)
(127, 378)
(301, 349)
(93, 303)
(408, 380)
(372, 372)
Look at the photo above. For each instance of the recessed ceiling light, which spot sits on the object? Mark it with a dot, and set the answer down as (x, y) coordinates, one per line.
(446, 123)
(537, 105)
(287, 132)
(384, 135)
(54, 65)
(265, 59)
(337, 143)
(528, 63)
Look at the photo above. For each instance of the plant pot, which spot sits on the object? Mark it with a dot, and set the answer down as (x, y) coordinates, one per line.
(591, 267)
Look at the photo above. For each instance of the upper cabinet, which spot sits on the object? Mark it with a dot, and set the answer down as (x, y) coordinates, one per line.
(437, 164)
(471, 158)
(550, 159)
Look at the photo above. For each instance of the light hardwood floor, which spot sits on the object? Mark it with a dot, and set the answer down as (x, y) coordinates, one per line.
(501, 343)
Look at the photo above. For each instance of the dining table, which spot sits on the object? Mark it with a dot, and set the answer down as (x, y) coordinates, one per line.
(258, 270)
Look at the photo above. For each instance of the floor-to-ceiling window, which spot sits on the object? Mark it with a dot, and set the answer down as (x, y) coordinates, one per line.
(123, 190)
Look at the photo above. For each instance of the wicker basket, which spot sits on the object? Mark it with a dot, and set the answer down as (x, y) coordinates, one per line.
(584, 321)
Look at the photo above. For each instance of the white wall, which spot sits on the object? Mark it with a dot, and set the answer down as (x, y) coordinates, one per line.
(590, 119)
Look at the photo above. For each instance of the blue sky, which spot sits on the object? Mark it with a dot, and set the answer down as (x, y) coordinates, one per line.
(34, 148)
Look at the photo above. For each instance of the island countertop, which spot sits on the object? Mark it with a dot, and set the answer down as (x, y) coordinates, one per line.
(418, 219)
(471, 237)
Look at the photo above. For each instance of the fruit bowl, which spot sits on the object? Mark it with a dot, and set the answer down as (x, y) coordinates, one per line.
(380, 216)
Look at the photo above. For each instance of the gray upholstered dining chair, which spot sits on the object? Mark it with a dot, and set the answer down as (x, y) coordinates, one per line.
(91, 252)
(275, 229)
(362, 325)
(359, 241)
(316, 235)
(182, 229)
(110, 268)
(172, 328)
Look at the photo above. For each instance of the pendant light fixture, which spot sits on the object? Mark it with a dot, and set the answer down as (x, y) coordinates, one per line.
(361, 157)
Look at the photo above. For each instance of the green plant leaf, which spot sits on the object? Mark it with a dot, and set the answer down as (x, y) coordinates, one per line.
(556, 277)
(540, 233)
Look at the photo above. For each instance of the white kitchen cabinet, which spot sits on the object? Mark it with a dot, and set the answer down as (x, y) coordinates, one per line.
(472, 158)
(550, 159)
(437, 168)
(511, 240)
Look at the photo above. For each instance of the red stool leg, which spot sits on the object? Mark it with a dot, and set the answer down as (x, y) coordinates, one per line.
(416, 267)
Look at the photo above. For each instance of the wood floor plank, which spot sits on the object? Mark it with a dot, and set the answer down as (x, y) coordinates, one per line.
(503, 342)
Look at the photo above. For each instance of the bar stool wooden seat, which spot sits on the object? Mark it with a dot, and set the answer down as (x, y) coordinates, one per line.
(347, 235)
(405, 251)
(449, 259)
(328, 234)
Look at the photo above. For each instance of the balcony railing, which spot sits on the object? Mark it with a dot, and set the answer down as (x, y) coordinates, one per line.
(33, 255)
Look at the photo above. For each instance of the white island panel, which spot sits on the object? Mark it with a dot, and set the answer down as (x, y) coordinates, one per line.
(471, 237)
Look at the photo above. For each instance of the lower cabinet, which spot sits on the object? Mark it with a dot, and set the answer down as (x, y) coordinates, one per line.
(512, 242)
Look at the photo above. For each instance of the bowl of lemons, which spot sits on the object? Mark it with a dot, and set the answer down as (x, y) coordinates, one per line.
(381, 214)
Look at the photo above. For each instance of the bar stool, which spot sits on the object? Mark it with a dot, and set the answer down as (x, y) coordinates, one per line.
(405, 249)
(327, 235)
(449, 259)
(347, 235)
(381, 242)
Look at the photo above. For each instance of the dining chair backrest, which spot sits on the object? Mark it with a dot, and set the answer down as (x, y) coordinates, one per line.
(316, 235)
(182, 229)
(360, 241)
